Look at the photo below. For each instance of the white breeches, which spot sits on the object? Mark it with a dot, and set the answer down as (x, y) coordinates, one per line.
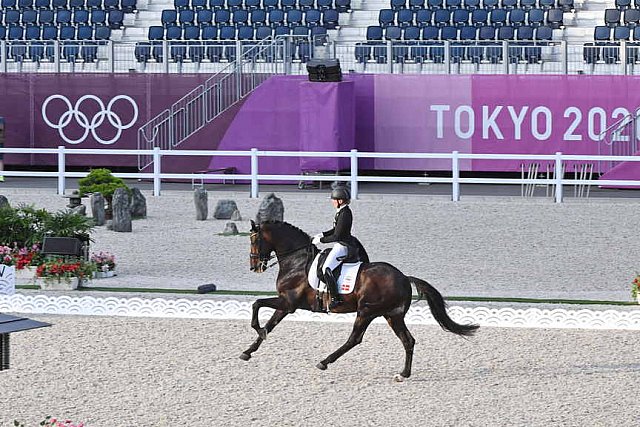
(339, 250)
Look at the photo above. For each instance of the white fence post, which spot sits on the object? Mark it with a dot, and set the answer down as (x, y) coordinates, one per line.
(559, 177)
(254, 173)
(455, 177)
(354, 174)
(156, 171)
(61, 169)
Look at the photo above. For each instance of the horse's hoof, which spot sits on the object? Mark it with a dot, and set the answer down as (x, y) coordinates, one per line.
(262, 333)
(321, 366)
(398, 378)
(245, 356)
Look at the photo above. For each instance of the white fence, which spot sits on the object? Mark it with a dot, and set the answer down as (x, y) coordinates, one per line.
(255, 177)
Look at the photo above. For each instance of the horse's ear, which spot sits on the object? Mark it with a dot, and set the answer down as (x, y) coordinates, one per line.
(253, 226)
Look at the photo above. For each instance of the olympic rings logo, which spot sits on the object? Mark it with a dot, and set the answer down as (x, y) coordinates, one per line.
(73, 113)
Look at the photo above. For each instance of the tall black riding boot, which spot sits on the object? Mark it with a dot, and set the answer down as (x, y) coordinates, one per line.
(330, 280)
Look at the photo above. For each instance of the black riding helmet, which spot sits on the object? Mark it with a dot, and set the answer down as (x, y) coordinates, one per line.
(341, 193)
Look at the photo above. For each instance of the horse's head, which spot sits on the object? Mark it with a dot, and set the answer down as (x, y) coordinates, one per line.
(261, 248)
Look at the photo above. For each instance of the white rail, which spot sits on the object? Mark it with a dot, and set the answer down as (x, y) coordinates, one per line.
(354, 155)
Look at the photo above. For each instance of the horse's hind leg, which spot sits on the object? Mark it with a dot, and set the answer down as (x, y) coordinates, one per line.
(359, 328)
(400, 328)
(262, 333)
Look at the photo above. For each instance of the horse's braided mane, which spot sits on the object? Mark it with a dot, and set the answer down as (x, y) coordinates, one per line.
(282, 223)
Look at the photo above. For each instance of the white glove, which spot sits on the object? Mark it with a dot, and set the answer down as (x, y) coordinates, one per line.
(316, 239)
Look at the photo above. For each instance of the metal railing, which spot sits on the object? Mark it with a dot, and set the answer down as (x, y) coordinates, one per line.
(253, 64)
(621, 138)
(558, 160)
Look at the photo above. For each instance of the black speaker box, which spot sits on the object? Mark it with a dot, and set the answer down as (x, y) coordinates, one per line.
(324, 70)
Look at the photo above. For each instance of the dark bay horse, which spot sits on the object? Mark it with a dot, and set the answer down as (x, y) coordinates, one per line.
(380, 290)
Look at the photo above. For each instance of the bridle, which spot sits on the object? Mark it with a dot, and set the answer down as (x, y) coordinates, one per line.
(264, 259)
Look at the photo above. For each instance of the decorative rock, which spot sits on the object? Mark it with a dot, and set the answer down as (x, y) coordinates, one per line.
(79, 210)
(138, 204)
(224, 209)
(230, 229)
(235, 216)
(4, 202)
(97, 208)
(271, 209)
(200, 199)
(209, 287)
(121, 211)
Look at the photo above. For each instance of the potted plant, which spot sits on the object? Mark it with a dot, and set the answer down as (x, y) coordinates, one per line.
(105, 264)
(64, 273)
(7, 271)
(635, 288)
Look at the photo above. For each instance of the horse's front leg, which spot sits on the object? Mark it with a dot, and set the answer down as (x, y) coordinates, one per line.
(280, 306)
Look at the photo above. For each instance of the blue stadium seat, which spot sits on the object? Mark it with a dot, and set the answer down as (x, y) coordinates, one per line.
(216, 4)
(245, 33)
(80, 17)
(324, 4)
(98, 17)
(240, 18)
(29, 17)
(460, 17)
(288, 5)
(472, 4)
(509, 4)
(498, 17)
(543, 33)
(63, 17)
(442, 17)
(546, 4)
(566, 5)
(276, 18)
(110, 4)
(374, 33)
(330, 19)
(312, 17)
(528, 4)
(76, 4)
(128, 6)
(234, 5)
(281, 30)
(70, 47)
(204, 17)
(480, 17)
(43, 4)
(516, 17)
(156, 35)
(258, 17)
(9, 4)
(195, 47)
(416, 4)
(169, 17)
(306, 4)
(222, 17)
(214, 50)
(177, 50)
(490, 4)
(94, 5)
(468, 34)
(453, 4)
(398, 4)
(58, 4)
(535, 17)
(623, 4)
(11, 17)
(263, 31)
(294, 17)
(228, 34)
(269, 5)
(180, 4)
(404, 18)
(423, 17)
(173, 32)
(343, 6)
(88, 47)
(199, 5)
(555, 18)
(251, 4)
(25, 4)
(631, 17)
(115, 19)
(186, 17)
(435, 4)
(16, 32)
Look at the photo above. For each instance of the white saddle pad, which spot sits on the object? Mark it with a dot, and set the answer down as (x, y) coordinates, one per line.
(346, 281)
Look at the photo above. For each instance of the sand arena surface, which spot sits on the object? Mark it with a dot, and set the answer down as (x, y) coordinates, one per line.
(160, 372)
(480, 246)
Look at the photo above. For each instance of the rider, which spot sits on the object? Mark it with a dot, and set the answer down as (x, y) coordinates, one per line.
(341, 235)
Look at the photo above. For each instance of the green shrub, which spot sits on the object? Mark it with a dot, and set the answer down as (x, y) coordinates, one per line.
(101, 181)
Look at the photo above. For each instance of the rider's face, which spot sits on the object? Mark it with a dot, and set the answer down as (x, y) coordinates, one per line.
(335, 203)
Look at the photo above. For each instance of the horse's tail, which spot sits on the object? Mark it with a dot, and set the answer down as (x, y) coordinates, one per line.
(438, 308)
